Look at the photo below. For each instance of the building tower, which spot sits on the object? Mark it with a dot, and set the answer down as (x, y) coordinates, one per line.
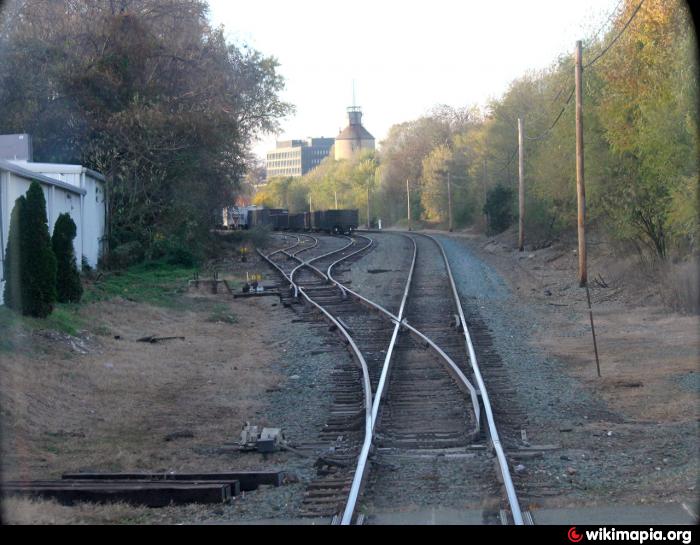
(354, 138)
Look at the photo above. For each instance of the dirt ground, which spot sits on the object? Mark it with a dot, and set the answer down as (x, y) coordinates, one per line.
(110, 403)
(649, 355)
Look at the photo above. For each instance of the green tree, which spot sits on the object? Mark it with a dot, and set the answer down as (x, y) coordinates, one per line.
(649, 113)
(38, 263)
(12, 266)
(434, 194)
(498, 208)
(68, 287)
(145, 91)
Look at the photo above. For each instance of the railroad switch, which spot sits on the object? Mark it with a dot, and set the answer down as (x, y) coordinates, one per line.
(271, 440)
(265, 441)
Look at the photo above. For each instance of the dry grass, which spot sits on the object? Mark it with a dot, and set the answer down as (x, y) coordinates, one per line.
(34, 511)
(645, 346)
(680, 285)
(112, 408)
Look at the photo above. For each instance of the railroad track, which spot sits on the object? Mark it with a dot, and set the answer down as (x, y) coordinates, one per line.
(405, 393)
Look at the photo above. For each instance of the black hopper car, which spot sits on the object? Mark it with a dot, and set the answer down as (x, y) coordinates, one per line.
(277, 218)
(299, 222)
(330, 221)
(334, 221)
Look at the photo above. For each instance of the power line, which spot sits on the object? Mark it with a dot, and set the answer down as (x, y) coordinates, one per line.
(608, 20)
(634, 14)
(556, 120)
(571, 94)
(515, 152)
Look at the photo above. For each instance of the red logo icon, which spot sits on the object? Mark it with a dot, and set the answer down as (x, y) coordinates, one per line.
(573, 535)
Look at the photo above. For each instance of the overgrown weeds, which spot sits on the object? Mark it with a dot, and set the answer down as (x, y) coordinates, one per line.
(15, 327)
(222, 314)
(154, 282)
(680, 285)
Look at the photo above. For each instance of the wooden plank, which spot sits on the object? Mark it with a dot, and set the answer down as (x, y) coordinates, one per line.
(262, 294)
(148, 494)
(248, 480)
(234, 485)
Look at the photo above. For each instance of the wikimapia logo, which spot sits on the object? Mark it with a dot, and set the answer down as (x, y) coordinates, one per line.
(637, 536)
(573, 535)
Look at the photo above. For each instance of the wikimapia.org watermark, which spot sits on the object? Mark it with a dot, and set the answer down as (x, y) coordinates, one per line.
(639, 536)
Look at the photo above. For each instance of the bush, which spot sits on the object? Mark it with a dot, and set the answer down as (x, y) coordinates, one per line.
(87, 268)
(37, 261)
(258, 237)
(542, 222)
(68, 288)
(680, 285)
(172, 250)
(498, 208)
(125, 255)
(181, 256)
(12, 266)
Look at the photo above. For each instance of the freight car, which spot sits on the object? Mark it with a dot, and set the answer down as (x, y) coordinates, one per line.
(280, 222)
(297, 222)
(276, 218)
(335, 221)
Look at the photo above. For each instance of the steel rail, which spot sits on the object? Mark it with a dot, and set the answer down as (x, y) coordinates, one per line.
(307, 263)
(306, 248)
(302, 263)
(367, 388)
(453, 370)
(361, 468)
(366, 384)
(372, 407)
(493, 431)
(286, 250)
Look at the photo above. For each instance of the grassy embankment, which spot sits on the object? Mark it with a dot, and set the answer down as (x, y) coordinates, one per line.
(156, 283)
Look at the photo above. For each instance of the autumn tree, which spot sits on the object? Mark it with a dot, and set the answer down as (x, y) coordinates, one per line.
(147, 93)
(649, 111)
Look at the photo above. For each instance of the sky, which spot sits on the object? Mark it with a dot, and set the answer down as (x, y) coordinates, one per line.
(404, 56)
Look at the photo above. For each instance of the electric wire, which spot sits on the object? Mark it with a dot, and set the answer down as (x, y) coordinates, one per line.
(627, 24)
(544, 134)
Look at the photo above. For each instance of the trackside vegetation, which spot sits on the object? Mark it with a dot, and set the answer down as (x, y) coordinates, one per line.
(641, 146)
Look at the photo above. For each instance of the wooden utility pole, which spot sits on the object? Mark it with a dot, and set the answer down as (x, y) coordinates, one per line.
(580, 183)
(369, 225)
(335, 192)
(408, 203)
(449, 202)
(484, 195)
(521, 187)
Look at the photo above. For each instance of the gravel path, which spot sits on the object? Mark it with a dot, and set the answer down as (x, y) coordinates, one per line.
(484, 292)
(600, 457)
